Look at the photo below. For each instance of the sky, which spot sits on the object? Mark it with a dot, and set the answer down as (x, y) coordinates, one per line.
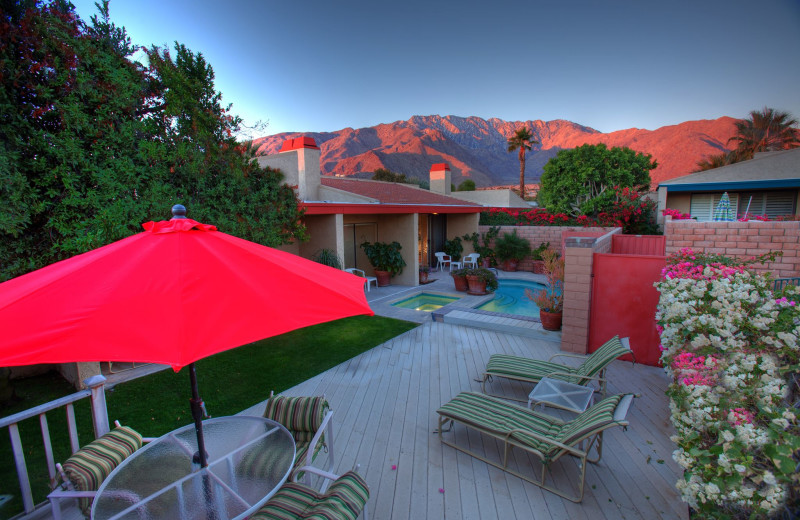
(322, 65)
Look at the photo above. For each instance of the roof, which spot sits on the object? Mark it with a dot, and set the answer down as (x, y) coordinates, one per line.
(767, 170)
(394, 193)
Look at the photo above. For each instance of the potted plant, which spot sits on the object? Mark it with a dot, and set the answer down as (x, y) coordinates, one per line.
(536, 256)
(550, 299)
(481, 244)
(385, 259)
(327, 257)
(511, 249)
(460, 279)
(480, 280)
(423, 273)
(454, 248)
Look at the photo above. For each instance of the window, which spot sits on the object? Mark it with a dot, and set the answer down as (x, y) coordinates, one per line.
(773, 204)
(703, 204)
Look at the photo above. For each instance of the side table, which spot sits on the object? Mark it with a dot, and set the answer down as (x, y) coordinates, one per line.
(561, 394)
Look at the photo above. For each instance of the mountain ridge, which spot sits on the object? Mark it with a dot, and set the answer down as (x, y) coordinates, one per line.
(476, 148)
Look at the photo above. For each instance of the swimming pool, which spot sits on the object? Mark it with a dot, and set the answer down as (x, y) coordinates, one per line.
(426, 302)
(509, 298)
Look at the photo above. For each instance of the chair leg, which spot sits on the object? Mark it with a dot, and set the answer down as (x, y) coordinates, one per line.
(55, 508)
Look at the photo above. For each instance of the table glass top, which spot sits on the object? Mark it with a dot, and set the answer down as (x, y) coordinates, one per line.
(562, 394)
(248, 459)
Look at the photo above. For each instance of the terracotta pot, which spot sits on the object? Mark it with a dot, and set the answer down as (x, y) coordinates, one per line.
(550, 320)
(510, 265)
(538, 267)
(423, 277)
(476, 286)
(460, 282)
(384, 278)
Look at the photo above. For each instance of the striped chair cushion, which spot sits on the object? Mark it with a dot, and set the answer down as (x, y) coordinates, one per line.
(500, 417)
(517, 367)
(602, 357)
(344, 500)
(300, 415)
(89, 466)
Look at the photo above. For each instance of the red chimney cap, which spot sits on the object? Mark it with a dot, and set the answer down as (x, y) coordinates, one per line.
(440, 167)
(297, 143)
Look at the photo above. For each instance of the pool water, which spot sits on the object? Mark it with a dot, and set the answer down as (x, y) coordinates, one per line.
(509, 298)
(425, 302)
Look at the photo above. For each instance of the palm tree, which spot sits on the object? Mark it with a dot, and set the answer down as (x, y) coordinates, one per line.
(716, 161)
(522, 141)
(765, 131)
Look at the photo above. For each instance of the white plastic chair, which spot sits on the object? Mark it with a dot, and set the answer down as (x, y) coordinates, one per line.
(471, 260)
(441, 260)
(362, 274)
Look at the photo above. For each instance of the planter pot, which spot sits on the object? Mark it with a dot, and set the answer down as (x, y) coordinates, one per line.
(550, 320)
(538, 267)
(486, 263)
(384, 278)
(423, 277)
(510, 265)
(476, 286)
(460, 282)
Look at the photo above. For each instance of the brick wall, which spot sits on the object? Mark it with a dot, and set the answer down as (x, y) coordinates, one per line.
(739, 239)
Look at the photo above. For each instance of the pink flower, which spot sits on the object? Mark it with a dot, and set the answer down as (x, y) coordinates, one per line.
(394, 467)
(441, 490)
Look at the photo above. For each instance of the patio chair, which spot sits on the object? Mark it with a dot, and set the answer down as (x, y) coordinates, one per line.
(442, 260)
(87, 468)
(308, 419)
(530, 370)
(471, 260)
(362, 274)
(345, 499)
(544, 436)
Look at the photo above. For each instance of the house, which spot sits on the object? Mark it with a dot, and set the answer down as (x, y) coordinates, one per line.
(342, 213)
(768, 184)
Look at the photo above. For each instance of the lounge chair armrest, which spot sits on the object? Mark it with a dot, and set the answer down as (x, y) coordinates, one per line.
(325, 427)
(577, 376)
(62, 493)
(621, 411)
(316, 471)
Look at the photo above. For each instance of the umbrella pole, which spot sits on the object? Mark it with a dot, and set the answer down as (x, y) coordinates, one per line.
(197, 414)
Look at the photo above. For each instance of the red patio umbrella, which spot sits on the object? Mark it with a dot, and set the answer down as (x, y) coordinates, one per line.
(173, 294)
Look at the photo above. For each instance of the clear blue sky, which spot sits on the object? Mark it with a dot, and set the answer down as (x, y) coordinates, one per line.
(608, 64)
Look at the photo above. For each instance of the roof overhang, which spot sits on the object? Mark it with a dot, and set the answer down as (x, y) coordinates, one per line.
(335, 208)
(734, 185)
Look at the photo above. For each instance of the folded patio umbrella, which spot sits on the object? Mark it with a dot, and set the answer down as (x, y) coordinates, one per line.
(724, 212)
(175, 293)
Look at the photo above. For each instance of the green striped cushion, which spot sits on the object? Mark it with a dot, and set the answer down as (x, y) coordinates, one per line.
(300, 415)
(88, 467)
(344, 500)
(602, 357)
(592, 420)
(527, 369)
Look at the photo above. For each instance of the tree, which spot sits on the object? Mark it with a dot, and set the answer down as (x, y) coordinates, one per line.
(522, 141)
(716, 161)
(92, 144)
(580, 181)
(382, 174)
(765, 131)
(467, 185)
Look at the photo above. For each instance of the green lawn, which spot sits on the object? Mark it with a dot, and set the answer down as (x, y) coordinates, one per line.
(155, 404)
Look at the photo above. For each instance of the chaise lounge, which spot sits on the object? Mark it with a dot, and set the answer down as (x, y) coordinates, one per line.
(546, 437)
(530, 370)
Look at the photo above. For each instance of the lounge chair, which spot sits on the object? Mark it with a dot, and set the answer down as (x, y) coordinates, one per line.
(530, 370)
(87, 468)
(362, 274)
(542, 435)
(308, 419)
(345, 499)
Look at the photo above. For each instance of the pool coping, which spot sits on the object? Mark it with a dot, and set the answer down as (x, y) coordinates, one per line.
(408, 296)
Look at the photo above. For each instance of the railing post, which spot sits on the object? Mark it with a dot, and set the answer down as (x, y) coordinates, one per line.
(99, 410)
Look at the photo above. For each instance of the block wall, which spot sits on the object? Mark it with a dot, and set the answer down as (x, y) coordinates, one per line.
(739, 239)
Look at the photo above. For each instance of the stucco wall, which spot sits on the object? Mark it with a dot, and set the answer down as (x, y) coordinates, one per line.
(460, 224)
(493, 198)
(739, 239)
(402, 228)
(324, 232)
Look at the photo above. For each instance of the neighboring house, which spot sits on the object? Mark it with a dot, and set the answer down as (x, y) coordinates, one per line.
(342, 213)
(768, 184)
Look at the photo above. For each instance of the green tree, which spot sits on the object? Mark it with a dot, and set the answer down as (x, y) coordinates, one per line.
(467, 185)
(522, 141)
(765, 131)
(580, 181)
(92, 144)
(383, 174)
(716, 161)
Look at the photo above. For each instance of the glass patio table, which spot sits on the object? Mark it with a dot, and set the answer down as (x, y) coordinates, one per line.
(249, 458)
(560, 394)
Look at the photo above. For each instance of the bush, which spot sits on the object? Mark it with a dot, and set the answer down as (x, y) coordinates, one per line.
(731, 347)
(511, 246)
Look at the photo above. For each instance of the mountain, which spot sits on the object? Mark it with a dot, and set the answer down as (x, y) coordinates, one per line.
(476, 148)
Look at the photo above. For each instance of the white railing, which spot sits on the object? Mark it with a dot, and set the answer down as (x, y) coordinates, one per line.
(96, 393)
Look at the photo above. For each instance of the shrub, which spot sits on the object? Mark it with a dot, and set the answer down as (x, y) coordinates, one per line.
(731, 348)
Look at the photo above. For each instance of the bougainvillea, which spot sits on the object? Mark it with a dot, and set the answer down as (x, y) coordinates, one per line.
(731, 347)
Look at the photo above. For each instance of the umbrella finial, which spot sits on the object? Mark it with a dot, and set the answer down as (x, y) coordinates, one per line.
(178, 211)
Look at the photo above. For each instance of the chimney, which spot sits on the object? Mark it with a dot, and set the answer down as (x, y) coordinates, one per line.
(308, 173)
(440, 178)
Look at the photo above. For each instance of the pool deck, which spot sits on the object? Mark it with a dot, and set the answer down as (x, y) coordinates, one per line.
(461, 312)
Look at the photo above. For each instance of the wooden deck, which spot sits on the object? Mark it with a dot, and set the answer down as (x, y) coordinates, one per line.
(385, 403)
